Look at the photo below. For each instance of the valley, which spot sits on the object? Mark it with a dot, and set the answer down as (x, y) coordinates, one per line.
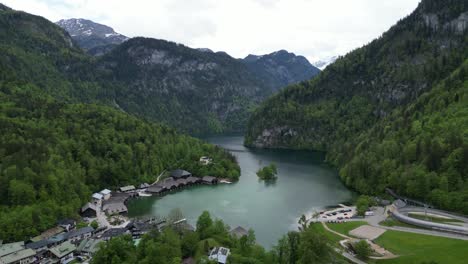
(112, 147)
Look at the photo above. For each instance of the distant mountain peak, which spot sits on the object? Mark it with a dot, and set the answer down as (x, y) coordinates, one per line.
(281, 68)
(4, 7)
(91, 35)
(323, 63)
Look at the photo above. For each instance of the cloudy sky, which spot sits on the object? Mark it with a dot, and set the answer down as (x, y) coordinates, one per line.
(313, 28)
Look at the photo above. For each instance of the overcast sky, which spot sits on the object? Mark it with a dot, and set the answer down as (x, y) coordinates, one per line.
(313, 28)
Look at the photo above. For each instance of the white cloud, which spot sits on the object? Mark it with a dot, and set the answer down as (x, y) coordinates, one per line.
(314, 28)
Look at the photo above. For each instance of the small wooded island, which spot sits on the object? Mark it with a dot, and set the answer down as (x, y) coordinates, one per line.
(268, 173)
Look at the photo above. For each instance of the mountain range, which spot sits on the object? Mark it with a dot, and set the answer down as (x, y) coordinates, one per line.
(392, 114)
(93, 37)
(193, 90)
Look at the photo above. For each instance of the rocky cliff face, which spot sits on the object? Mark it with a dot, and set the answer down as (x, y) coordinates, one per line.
(281, 68)
(366, 85)
(93, 37)
(193, 90)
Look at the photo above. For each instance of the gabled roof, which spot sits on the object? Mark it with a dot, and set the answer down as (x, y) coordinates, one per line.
(17, 256)
(127, 188)
(79, 232)
(192, 179)
(89, 245)
(113, 232)
(105, 192)
(6, 249)
(39, 244)
(180, 173)
(208, 178)
(63, 249)
(88, 206)
(155, 189)
(97, 196)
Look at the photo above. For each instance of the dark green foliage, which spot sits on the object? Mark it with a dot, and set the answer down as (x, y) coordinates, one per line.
(362, 249)
(363, 203)
(116, 251)
(390, 114)
(170, 246)
(268, 172)
(54, 155)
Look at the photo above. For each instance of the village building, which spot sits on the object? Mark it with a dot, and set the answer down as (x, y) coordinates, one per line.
(106, 194)
(178, 174)
(193, 180)
(116, 204)
(89, 246)
(97, 197)
(41, 247)
(23, 256)
(127, 189)
(205, 160)
(239, 232)
(48, 233)
(115, 208)
(76, 236)
(57, 239)
(144, 186)
(155, 189)
(6, 249)
(209, 180)
(219, 254)
(67, 224)
(114, 232)
(63, 253)
(89, 210)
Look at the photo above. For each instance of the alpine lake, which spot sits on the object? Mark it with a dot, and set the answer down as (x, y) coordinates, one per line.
(305, 184)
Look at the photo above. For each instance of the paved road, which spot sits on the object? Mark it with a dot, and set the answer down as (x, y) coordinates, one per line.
(380, 215)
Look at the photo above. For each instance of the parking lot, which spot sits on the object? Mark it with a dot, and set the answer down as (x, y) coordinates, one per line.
(342, 213)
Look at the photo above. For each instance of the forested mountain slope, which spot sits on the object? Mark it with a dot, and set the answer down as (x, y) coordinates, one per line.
(53, 155)
(191, 90)
(281, 68)
(365, 91)
(187, 88)
(420, 150)
(55, 149)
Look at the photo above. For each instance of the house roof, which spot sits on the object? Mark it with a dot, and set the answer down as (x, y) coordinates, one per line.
(180, 173)
(105, 192)
(155, 189)
(181, 181)
(144, 185)
(39, 244)
(79, 232)
(17, 256)
(88, 206)
(127, 188)
(113, 232)
(118, 207)
(239, 232)
(208, 178)
(48, 233)
(9, 248)
(192, 179)
(89, 245)
(63, 249)
(97, 196)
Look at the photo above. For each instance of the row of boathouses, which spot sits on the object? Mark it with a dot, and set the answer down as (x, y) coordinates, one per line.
(179, 179)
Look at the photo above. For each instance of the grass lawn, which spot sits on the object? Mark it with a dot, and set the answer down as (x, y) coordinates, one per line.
(344, 228)
(416, 248)
(321, 230)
